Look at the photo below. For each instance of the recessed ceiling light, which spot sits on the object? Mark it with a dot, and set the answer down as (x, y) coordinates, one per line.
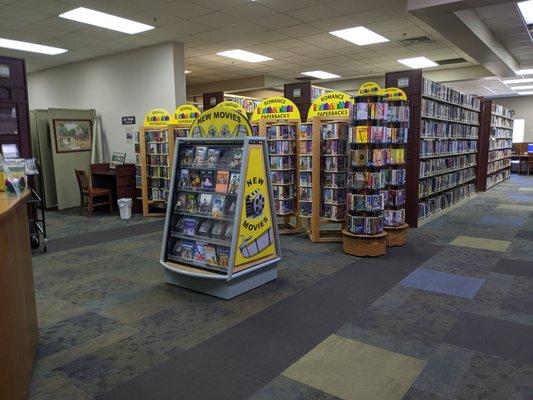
(522, 87)
(320, 74)
(187, 72)
(26, 46)
(244, 55)
(525, 93)
(103, 20)
(526, 8)
(360, 36)
(520, 80)
(525, 72)
(418, 62)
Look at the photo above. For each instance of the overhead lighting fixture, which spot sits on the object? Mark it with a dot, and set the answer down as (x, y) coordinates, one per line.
(27, 46)
(187, 72)
(244, 55)
(522, 87)
(530, 92)
(526, 8)
(520, 80)
(525, 72)
(360, 35)
(103, 20)
(418, 62)
(321, 74)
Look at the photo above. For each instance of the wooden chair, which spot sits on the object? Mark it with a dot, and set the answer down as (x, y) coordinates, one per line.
(89, 192)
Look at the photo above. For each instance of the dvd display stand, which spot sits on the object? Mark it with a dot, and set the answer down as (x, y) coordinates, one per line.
(220, 233)
(282, 148)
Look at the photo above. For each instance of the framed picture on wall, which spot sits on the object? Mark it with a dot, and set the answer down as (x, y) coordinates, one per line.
(73, 135)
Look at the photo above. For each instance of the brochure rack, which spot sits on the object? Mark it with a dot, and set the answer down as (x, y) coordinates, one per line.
(220, 234)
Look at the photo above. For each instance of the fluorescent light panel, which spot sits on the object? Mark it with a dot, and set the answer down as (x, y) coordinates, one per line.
(103, 20)
(359, 35)
(187, 71)
(525, 72)
(34, 48)
(525, 93)
(418, 62)
(321, 74)
(526, 8)
(520, 80)
(244, 55)
(522, 87)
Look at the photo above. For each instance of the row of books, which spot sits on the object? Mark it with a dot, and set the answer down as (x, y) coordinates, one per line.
(219, 181)
(305, 194)
(361, 225)
(216, 257)
(216, 206)
(504, 112)
(305, 131)
(334, 212)
(156, 135)
(394, 217)
(376, 180)
(334, 130)
(305, 146)
(365, 202)
(306, 178)
(158, 183)
(500, 133)
(305, 208)
(334, 147)
(452, 130)
(157, 194)
(334, 179)
(181, 132)
(378, 134)
(377, 157)
(500, 122)
(157, 160)
(283, 192)
(445, 93)
(398, 113)
(282, 177)
(393, 198)
(498, 177)
(285, 147)
(445, 200)
(500, 144)
(367, 108)
(499, 154)
(158, 171)
(206, 227)
(433, 109)
(284, 207)
(436, 147)
(281, 131)
(427, 187)
(247, 103)
(282, 162)
(157, 148)
(213, 157)
(439, 165)
(498, 165)
(335, 196)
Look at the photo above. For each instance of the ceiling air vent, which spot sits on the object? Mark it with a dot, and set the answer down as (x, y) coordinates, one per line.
(415, 40)
(450, 61)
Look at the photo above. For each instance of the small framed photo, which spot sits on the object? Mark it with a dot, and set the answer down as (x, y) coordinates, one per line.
(117, 159)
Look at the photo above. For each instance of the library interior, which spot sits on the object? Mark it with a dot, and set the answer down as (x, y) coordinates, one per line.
(266, 199)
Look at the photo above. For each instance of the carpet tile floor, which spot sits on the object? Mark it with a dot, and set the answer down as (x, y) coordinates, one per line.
(449, 316)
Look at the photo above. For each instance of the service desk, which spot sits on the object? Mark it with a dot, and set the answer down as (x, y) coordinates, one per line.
(18, 317)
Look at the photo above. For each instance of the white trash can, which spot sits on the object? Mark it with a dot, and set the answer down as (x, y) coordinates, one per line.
(124, 206)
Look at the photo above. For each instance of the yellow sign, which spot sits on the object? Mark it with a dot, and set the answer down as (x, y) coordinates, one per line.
(221, 122)
(335, 104)
(185, 114)
(275, 108)
(369, 89)
(256, 231)
(156, 118)
(395, 94)
(233, 105)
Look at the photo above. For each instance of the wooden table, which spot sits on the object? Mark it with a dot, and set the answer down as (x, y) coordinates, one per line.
(121, 182)
(18, 317)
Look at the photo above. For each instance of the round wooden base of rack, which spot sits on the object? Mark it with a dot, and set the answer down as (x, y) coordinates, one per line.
(364, 245)
(397, 235)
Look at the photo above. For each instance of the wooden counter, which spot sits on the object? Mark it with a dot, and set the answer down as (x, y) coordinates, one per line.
(18, 317)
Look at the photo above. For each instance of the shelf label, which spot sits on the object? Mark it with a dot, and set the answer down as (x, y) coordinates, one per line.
(185, 114)
(221, 122)
(276, 108)
(332, 104)
(156, 118)
(369, 89)
(233, 105)
(256, 232)
(395, 94)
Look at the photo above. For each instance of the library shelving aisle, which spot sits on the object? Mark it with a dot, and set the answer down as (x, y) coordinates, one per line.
(277, 119)
(442, 146)
(329, 116)
(155, 147)
(495, 144)
(220, 233)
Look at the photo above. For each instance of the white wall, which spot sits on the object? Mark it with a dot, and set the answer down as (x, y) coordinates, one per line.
(523, 106)
(123, 84)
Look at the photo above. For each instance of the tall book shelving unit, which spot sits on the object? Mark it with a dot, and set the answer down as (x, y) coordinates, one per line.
(442, 149)
(495, 144)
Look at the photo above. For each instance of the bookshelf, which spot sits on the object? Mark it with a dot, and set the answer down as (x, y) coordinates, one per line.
(495, 145)
(220, 233)
(442, 149)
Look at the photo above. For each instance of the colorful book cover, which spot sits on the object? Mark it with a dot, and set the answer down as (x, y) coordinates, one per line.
(200, 155)
(360, 157)
(211, 254)
(213, 155)
(222, 181)
(236, 159)
(223, 257)
(234, 182)
(361, 134)
(218, 229)
(189, 226)
(181, 202)
(205, 225)
(187, 250)
(188, 156)
(192, 206)
(218, 206)
(207, 179)
(194, 179)
(184, 178)
(204, 205)
(199, 252)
